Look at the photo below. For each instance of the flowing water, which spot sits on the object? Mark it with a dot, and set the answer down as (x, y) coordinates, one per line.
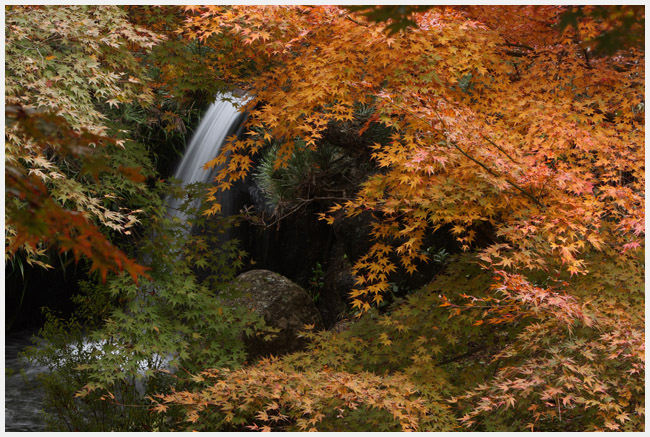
(221, 120)
(23, 396)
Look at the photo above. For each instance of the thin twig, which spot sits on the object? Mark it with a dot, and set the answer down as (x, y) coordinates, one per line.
(347, 17)
(498, 147)
(518, 45)
(461, 356)
(323, 198)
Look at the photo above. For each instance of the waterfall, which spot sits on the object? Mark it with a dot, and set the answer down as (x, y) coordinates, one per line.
(221, 120)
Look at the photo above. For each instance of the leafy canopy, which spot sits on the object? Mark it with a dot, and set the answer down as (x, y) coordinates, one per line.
(502, 118)
(520, 130)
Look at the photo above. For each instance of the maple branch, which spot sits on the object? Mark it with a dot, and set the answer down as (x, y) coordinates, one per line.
(323, 198)
(515, 54)
(277, 220)
(119, 404)
(541, 190)
(514, 184)
(518, 45)
(30, 48)
(303, 202)
(498, 147)
(347, 17)
(455, 145)
(461, 356)
(585, 51)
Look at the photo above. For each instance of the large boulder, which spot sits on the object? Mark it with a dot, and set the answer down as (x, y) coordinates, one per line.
(283, 304)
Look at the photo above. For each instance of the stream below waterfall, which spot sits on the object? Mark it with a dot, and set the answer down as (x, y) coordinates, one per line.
(23, 394)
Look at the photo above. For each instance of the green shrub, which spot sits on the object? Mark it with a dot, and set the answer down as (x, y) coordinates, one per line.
(129, 341)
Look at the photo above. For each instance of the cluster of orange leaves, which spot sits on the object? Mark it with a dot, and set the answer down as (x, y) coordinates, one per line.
(499, 119)
(272, 397)
(597, 383)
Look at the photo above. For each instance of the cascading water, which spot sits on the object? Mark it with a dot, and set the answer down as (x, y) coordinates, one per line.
(221, 120)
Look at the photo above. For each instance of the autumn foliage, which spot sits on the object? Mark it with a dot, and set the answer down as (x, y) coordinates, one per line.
(59, 74)
(509, 125)
(519, 130)
(475, 140)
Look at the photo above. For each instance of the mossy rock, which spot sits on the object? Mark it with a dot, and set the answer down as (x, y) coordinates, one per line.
(283, 304)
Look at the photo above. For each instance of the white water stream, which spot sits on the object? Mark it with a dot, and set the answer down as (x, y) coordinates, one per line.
(23, 396)
(221, 120)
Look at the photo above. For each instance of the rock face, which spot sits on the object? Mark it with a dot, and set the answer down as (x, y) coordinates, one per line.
(283, 304)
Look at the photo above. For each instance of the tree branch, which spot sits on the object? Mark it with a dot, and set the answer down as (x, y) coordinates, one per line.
(519, 46)
(347, 17)
(461, 356)
(457, 147)
(498, 147)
